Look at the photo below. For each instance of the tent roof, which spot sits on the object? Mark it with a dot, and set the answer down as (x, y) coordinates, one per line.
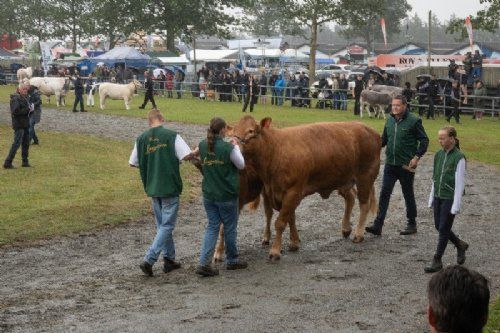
(213, 55)
(276, 53)
(182, 60)
(122, 53)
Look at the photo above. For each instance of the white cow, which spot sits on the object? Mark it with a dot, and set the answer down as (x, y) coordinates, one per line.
(24, 73)
(118, 91)
(49, 86)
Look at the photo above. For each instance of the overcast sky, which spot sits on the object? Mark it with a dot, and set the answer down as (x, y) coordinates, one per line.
(444, 9)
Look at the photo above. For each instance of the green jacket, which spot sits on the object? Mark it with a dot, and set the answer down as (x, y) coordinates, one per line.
(404, 139)
(158, 164)
(221, 180)
(443, 177)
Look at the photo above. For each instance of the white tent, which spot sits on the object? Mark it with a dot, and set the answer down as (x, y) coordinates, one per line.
(123, 53)
(182, 60)
(214, 55)
(251, 43)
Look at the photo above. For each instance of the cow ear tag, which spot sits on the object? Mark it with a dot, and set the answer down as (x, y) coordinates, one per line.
(266, 122)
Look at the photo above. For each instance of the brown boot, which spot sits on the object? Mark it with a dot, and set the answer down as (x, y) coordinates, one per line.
(461, 248)
(170, 265)
(435, 266)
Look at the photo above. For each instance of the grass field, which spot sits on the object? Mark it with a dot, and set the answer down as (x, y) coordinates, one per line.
(480, 140)
(493, 325)
(77, 183)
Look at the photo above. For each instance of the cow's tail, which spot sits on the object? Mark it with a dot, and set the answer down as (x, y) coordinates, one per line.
(373, 201)
(254, 204)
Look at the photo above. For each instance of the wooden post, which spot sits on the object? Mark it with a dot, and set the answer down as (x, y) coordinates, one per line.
(429, 45)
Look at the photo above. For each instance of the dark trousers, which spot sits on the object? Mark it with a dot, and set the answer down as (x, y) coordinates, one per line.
(455, 114)
(392, 174)
(430, 110)
(78, 99)
(357, 104)
(443, 221)
(21, 138)
(252, 99)
(274, 97)
(32, 130)
(149, 97)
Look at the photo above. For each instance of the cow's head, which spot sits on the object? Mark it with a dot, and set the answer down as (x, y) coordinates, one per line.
(137, 84)
(248, 129)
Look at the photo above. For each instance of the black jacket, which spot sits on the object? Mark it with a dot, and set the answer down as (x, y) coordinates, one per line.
(78, 86)
(149, 86)
(20, 110)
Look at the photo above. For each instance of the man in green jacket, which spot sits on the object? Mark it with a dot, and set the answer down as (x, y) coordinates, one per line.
(406, 142)
(157, 153)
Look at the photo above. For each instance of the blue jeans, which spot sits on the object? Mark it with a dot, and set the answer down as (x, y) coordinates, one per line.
(343, 100)
(336, 100)
(217, 212)
(393, 173)
(21, 139)
(165, 210)
(476, 72)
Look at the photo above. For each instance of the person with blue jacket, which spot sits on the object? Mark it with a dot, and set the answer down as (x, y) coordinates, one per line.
(279, 86)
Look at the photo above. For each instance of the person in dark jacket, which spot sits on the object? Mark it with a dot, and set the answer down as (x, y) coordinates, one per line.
(78, 93)
(359, 86)
(252, 92)
(272, 82)
(36, 101)
(455, 102)
(263, 88)
(343, 86)
(432, 94)
(20, 110)
(477, 65)
(406, 142)
(148, 84)
(408, 93)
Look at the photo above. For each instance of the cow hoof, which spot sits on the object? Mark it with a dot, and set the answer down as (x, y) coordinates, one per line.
(274, 257)
(346, 234)
(293, 248)
(358, 239)
(265, 242)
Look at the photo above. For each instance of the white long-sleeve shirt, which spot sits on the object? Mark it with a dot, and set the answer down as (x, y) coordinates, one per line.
(181, 151)
(459, 188)
(237, 158)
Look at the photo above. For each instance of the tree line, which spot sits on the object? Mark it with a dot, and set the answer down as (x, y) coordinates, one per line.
(113, 19)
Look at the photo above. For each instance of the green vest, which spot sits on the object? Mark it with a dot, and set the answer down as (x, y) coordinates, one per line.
(445, 166)
(221, 178)
(158, 165)
(402, 141)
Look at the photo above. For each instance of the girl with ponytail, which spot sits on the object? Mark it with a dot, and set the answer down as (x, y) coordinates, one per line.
(221, 162)
(448, 183)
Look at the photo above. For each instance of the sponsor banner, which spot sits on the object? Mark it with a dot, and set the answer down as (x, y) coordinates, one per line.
(46, 55)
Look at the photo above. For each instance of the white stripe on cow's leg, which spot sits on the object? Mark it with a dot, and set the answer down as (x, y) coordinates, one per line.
(349, 195)
(294, 235)
(268, 210)
(219, 250)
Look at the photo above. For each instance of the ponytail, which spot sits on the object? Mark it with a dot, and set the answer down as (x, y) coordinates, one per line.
(216, 125)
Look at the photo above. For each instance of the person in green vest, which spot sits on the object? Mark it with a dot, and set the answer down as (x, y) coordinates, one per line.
(406, 142)
(221, 162)
(157, 153)
(448, 183)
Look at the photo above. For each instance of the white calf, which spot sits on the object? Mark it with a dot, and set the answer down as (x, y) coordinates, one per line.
(118, 91)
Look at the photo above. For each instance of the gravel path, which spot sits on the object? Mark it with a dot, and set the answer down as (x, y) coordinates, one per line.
(91, 283)
(120, 128)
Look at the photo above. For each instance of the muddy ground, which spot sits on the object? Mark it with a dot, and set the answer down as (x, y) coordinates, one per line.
(91, 282)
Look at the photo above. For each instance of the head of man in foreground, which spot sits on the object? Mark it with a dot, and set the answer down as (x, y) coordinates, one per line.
(458, 301)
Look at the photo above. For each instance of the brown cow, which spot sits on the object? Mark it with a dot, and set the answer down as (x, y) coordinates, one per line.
(295, 162)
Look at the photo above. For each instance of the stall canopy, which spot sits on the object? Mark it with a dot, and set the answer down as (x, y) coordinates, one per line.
(214, 55)
(182, 60)
(123, 55)
(4, 54)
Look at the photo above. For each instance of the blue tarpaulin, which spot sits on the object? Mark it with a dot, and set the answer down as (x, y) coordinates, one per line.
(123, 55)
